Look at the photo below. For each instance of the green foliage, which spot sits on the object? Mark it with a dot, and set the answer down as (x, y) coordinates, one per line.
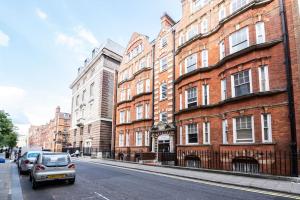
(8, 136)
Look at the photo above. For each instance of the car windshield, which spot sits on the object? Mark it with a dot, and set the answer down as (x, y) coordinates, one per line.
(55, 160)
(32, 155)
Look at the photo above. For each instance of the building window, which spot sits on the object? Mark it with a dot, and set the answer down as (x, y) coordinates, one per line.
(191, 97)
(192, 32)
(128, 94)
(237, 4)
(191, 63)
(142, 63)
(89, 128)
(197, 4)
(163, 91)
(260, 32)
(92, 89)
(146, 138)
(239, 40)
(223, 89)
(181, 39)
(192, 134)
(77, 100)
(266, 127)
(241, 83)
(180, 101)
(222, 49)
(163, 117)
(75, 131)
(243, 129)
(122, 117)
(180, 135)
(206, 133)
(139, 112)
(140, 87)
(204, 55)
(263, 75)
(138, 139)
(163, 64)
(148, 85)
(83, 95)
(204, 26)
(128, 116)
(121, 140)
(127, 139)
(147, 110)
(123, 95)
(205, 94)
(163, 42)
(225, 131)
(222, 12)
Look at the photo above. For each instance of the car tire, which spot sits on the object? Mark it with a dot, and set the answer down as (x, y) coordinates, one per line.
(72, 181)
(34, 184)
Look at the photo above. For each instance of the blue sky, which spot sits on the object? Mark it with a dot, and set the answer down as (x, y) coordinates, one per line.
(42, 43)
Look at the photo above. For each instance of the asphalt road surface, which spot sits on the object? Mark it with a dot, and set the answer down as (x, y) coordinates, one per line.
(94, 181)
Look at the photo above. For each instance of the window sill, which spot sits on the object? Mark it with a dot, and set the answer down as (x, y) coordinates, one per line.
(249, 144)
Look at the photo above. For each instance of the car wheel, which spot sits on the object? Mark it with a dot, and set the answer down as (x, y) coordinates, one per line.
(34, 184)
(72, 181)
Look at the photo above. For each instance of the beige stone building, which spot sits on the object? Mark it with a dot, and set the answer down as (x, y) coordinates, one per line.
(92, 97)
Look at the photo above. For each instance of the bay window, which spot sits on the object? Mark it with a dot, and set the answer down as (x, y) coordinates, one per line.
(191, 97)
(239, 40)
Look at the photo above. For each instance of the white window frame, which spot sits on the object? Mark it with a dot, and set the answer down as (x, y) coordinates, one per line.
(123, 95)
(269, 124)
(147, 110)
(140, 87)
(233, 85)
(181, 39)
(163, 42)
(127, 140)
(231, 48)
(235, 131)
(203, 94)
(186, 97)
(121, 140)
(225, 131)
(204, 58)
(122, 116)
(180, 101)
(180, 69)
(139, 112)
(138, 139)
(192, 32)
(162, 115)
(187, 136)
(263, 79)
(208, 132)
(128, 116)
(128, 94)
(231, 5)
(204, 26)
(180, 135)
(260, 32)
(223, 89)
(147, 85)
(222, 12)
(186, 62)
(222, 49)
(147, 139)
(163, 64)
(142, 64)
(163, 89)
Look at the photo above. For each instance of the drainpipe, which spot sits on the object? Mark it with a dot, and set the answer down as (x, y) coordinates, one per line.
(153, 79)
(290, 91)
(173, 103)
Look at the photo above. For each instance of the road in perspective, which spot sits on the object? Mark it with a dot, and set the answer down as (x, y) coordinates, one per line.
(96, 181)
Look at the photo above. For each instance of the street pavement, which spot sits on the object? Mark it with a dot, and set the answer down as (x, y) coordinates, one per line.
(96, 181)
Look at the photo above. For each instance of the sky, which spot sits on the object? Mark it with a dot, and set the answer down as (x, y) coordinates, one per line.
(42, 43)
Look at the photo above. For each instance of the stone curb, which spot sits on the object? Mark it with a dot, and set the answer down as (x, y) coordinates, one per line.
(16, 190)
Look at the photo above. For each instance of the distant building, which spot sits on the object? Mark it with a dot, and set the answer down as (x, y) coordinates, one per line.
(53, 135)
(92, 98)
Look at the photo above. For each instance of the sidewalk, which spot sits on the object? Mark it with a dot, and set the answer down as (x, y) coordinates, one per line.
(283, 186)
(10, 188)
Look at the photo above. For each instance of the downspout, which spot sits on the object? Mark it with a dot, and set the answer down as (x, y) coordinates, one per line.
(174, 96)
(290, 91)
(153, 79)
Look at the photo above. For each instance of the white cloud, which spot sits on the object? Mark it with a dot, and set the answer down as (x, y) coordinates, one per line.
(67, 40)
(41, 14)
(4, 39)
(86, 35)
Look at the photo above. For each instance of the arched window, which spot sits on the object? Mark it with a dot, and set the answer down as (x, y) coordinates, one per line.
(245, 164)
(192, 161)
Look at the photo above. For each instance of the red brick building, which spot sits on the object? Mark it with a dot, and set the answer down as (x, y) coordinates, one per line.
(226, 79)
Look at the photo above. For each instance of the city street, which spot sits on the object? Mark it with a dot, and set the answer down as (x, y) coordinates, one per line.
(96, 181)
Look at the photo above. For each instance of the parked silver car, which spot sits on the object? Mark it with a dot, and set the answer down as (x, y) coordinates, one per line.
(25, 162)
(51, 166)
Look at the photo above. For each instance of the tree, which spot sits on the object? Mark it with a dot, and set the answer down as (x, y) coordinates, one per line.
(8, 136)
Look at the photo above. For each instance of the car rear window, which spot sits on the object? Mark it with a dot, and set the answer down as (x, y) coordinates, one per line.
(54, 160)
(32, 155)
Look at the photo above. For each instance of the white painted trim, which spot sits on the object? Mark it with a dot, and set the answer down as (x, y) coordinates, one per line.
(180, 135)
(234, 129)
(232, 86)
(180, 101)
(224, 135)
(208, 133)
(250, 80)
(269, 119)
(257, 31)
